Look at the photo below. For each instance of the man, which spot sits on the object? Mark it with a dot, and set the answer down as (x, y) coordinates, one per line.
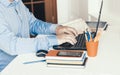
(16, 26)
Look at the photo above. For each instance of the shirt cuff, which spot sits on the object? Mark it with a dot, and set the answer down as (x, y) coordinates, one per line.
(52, 40)
(53, 28)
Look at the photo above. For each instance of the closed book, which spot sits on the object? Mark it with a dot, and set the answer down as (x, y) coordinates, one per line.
(65, 55)
(66, 61)
(68, 65)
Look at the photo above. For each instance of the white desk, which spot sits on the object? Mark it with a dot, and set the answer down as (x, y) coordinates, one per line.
(107, 61)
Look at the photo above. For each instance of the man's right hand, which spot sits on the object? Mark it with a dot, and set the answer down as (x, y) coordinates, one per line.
(62, 38)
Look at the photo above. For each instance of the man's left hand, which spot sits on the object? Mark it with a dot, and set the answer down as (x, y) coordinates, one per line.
(66, 30)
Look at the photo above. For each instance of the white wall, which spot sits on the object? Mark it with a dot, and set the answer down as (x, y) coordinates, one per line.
(110, 12)
(71, 9)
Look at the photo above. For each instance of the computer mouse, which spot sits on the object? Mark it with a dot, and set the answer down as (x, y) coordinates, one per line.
(41, 53)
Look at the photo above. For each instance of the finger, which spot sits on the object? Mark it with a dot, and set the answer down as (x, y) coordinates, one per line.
(71, 39)
(71, 42)
(69, 32)
(66, 38)
(80, 32)
(72, 31)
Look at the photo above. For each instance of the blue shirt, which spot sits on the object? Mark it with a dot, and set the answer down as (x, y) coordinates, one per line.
(16, 25)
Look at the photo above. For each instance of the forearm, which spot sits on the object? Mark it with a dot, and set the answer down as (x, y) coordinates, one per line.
(33, 44)
(40, 27)
(14, 45)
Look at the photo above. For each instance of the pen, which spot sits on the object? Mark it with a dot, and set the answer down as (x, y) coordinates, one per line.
(86, 37)
(88, 34)
(97, 36)
(31, 62)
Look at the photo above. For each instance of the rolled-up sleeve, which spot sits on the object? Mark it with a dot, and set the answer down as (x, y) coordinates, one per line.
(40, 27)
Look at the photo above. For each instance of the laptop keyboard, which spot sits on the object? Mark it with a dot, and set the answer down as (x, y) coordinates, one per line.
(80, 41)
(80, 45)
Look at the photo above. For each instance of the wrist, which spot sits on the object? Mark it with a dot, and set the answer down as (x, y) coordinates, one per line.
(58, 29)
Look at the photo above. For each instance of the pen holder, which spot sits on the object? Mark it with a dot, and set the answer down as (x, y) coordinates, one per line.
(92, 48)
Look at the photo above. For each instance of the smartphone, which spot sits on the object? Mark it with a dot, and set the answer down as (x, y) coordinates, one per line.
(70, 53)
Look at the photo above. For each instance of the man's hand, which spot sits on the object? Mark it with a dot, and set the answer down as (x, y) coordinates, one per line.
(62, 38)
(66, 30)
(66, 34)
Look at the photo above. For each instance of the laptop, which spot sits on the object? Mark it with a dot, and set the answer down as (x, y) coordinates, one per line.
(81, 41)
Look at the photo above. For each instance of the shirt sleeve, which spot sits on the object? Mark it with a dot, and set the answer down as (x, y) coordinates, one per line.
(51, 39)
(40, 27)
(14, 45)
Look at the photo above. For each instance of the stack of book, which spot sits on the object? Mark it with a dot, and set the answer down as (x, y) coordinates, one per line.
(66, 58)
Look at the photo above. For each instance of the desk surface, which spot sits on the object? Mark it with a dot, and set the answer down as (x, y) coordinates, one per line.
(106, 62)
